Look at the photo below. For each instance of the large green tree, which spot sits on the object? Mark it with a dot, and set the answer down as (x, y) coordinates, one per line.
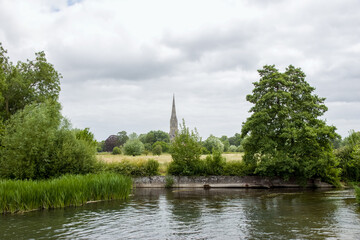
(26, 82)
(286, 137)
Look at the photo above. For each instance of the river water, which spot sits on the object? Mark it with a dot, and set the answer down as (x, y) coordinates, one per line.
(198, 214)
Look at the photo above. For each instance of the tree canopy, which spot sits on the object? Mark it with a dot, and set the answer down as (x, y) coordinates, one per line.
(26, 82)
(286, 137)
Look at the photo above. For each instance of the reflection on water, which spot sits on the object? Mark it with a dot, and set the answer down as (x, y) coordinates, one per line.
(198, 214)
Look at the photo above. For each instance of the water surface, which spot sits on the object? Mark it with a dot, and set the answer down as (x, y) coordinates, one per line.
(198, 214)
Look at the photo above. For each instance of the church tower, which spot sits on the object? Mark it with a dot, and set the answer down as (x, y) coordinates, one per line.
(173, 121)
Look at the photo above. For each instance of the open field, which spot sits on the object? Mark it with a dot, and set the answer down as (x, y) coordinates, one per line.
(162, 159)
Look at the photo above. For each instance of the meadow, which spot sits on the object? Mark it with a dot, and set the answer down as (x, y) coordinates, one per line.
(164, 158)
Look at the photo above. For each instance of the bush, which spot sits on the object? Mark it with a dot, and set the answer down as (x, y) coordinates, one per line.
(152, 167)
(157, 150)
(38, 143)
(185, 152)
(116, 151)
(165, 147)
(133, 147)
(349, 157)
(131, 168)
(214, 164)
(237, 168)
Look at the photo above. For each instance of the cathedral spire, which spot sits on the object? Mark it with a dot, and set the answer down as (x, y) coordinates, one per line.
(173, 121)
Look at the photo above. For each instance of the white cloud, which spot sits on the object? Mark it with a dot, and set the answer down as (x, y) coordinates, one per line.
(123, 60)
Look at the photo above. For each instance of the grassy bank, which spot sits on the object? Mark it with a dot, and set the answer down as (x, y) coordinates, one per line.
(70, 190)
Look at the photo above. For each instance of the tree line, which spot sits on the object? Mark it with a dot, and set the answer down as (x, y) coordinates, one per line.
(158, 142)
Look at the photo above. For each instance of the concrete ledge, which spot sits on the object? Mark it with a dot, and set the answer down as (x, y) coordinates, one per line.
(226, 182)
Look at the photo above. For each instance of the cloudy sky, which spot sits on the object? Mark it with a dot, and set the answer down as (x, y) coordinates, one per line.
(122, 61)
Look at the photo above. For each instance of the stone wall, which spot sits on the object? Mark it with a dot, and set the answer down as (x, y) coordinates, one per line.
(226, 182)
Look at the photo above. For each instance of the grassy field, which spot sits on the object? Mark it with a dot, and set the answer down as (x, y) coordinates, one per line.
(162, 159)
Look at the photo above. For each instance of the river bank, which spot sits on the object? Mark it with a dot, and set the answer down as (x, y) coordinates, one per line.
(224, 182)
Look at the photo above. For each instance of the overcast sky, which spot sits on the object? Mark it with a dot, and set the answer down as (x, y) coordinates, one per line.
(122, 61)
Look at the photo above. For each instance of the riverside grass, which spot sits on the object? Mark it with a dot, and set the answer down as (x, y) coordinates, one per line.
(68, 190)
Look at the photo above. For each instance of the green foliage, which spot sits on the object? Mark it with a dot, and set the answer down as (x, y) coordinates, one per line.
(69, 190)
(215, 164)
(235, 140)
(233, 148)
(133, 147)
(237, 168)
(285, 135)
(157, 150)
(86, 135)
(31, 82)
(131, 168)
(154, 136)
(351, 140)
(169, 181)
(37, 143)
(349, 157)
(213, 143)
(224, 139)
(152, 167)
(185, 152)
(122, 138)
(100, 147)
(165, 147)
(116, 151)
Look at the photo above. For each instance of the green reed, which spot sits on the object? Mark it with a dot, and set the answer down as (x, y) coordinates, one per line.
(69, 190)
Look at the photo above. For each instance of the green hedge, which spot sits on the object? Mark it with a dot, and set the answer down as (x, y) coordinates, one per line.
(132, 168)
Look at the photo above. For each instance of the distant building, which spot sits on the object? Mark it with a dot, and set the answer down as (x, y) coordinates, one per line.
(173, 121)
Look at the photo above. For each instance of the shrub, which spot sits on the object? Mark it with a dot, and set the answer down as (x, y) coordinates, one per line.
(185, 152)
(116, 151)
(157, 150)
(237, 168)
(38, 143)
(133, 147)
(152, 167)
(131, 168)
(215, 164)
(165, 147)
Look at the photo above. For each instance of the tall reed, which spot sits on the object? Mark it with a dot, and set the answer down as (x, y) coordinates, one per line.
(69, 190)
